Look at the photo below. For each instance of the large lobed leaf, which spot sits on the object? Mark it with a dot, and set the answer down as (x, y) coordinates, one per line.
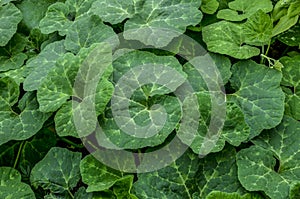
(271, 165)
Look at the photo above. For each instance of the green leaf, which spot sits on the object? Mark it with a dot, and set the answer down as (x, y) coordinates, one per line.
(10, 16)
(235, 129)
(155, 15)
(247, 8)
(258, 94)
(99, 177)
(88, 30)
(11, 56)
(191, 177)
(209, 6)
(291, 85)
(290, 37)
(284, 24)
(57, 86)
(60, 16)
(11, 185)
(257, 168)
(258, 29)
(58, 171)
(211, 61)
(295, 191)
(31, 15)
(31, 151)
(115, 11)
(24, 123)
(42, 64)
(227, 38)
(142, 107)
(223, 195)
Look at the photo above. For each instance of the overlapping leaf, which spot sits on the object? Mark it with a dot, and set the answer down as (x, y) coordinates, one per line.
(291, 85)
(11, 185)
(258, 94)
(191, 177)
(227, 38)
(30, 151)
(58, 171)
(10, 16)
(145, 80)
(247, 8)
(60, 16)
(257, 167)
(291, 36)
(149, 19)
(40, 66)
(11, 56)
(99, 177)
(23, 123)
(88, 30)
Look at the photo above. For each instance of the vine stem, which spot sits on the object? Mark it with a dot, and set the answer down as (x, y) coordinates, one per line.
(71, 143)
(18, 155)
(70, 193)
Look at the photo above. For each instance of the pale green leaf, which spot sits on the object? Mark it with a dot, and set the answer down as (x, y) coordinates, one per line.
(284, 24)
(42, 64)
(57, 86)
(209, 6)
(60, 16)
(247, 8)
(228, 38)
(257, 167)
(149, 110)
(258, 29)
(10, 16)
(88, 30)
(11, 185)
(31, 15)
(115, 11)
(58, 171)
(259, 95)
(155, 15)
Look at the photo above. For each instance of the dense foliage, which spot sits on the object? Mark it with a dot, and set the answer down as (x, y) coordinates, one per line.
(253, 44)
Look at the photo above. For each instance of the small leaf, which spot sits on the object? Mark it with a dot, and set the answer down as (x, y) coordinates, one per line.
(209, 6)
(246, 7)
(258, 29)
